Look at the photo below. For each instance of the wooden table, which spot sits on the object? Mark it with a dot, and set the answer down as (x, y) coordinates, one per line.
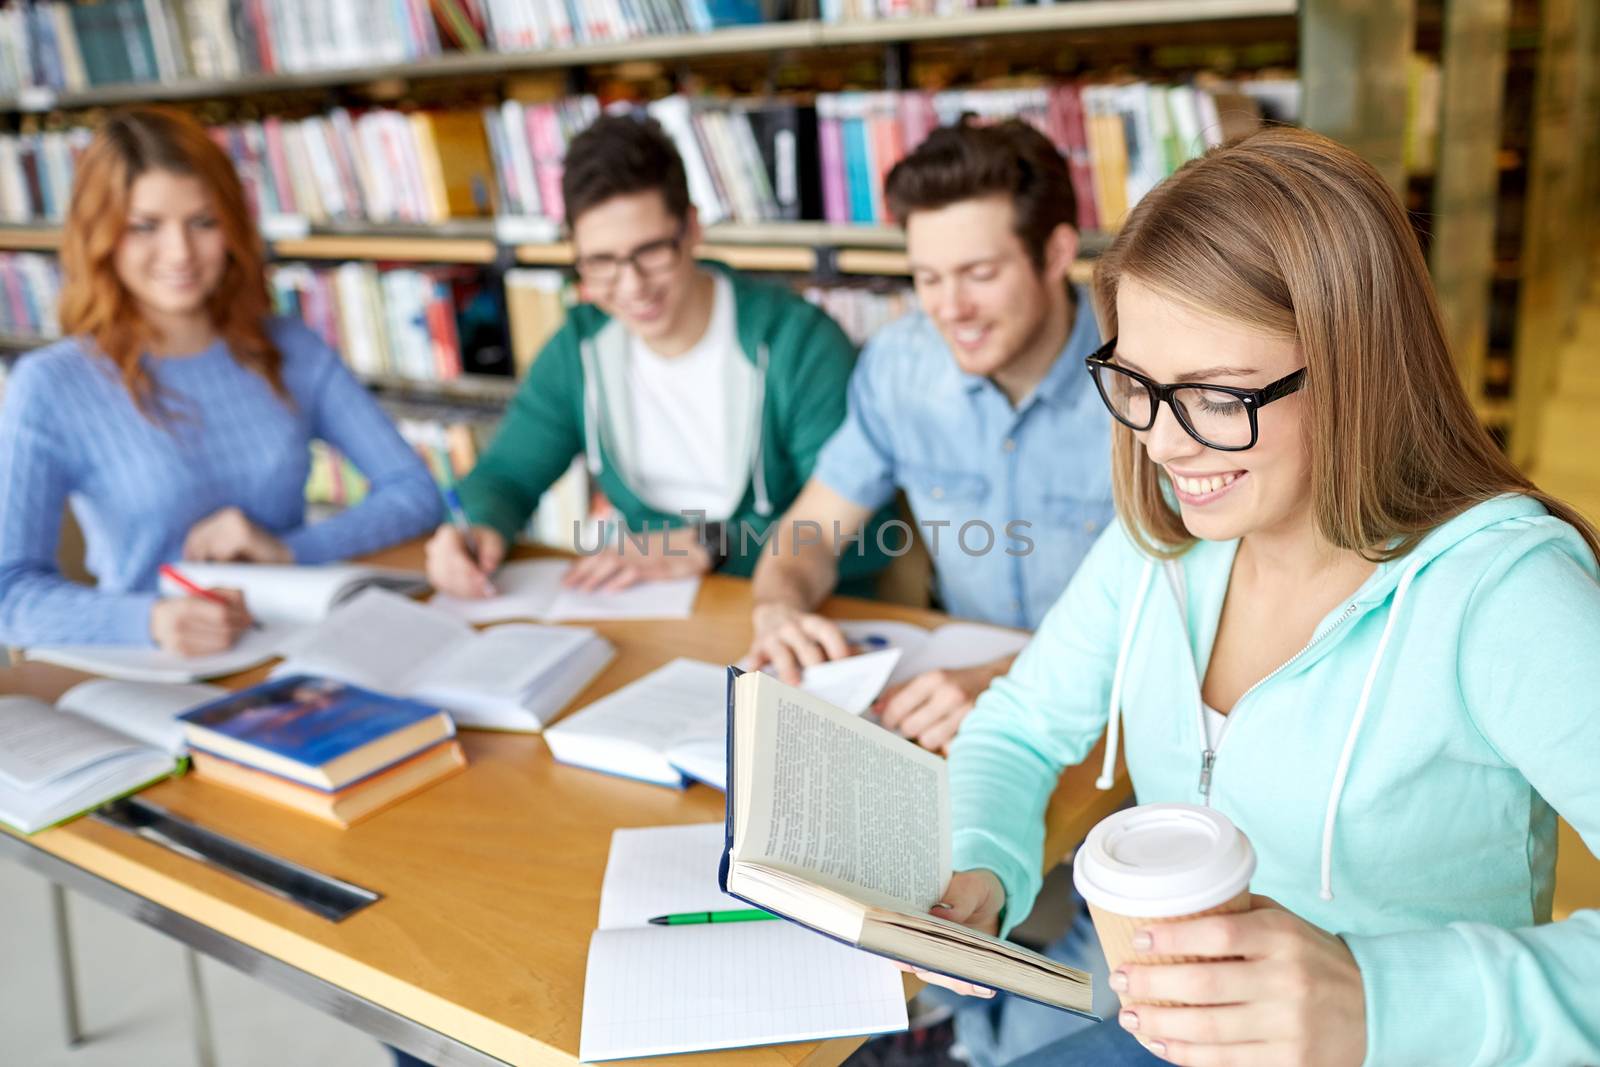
(490, 879)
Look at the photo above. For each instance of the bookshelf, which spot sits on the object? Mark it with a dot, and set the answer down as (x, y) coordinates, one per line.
(765, 38)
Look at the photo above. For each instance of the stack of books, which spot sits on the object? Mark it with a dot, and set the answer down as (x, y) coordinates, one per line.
(524, 25)
(862, 310)
(30, 286)
(336, 752)
(528, 143)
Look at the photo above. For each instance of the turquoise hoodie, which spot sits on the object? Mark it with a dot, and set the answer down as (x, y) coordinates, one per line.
(1399, 777)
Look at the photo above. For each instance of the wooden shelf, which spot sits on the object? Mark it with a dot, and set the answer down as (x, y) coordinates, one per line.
(14, 344)
(473, 388)
(770, 37)
(401, 249)
(29, 238)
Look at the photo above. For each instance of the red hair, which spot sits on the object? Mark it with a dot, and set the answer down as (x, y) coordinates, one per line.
(94, 302)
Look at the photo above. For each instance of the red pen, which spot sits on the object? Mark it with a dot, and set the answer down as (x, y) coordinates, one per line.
(173, 575)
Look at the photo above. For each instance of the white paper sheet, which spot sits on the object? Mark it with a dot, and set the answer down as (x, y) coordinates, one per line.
(532, 589)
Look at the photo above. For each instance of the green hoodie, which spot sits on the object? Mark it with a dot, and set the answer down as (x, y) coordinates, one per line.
(1400, 777)
(574, 401)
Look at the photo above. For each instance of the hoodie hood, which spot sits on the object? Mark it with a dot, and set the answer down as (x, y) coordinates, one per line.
(1390, 584)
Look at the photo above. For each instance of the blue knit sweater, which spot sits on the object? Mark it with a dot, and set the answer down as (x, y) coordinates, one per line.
(70, 430)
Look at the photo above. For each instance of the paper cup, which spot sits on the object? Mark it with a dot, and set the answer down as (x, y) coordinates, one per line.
(1159, 863)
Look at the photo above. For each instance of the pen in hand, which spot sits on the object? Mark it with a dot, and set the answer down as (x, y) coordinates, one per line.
(459, 520)
(176, 577)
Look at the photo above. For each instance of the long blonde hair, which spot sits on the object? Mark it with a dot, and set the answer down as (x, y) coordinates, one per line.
(1291, 234)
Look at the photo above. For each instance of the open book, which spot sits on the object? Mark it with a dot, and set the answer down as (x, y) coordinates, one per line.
(672, 722)
(103, 739)
(844, 827)
(290, 593)
(532, 589)
(150, 664)
(656, 990)
(950, 647)
(509, 678)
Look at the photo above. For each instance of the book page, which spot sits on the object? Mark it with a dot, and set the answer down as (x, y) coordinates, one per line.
(963, 644)
(686, 698)
(272, 592)
(668, 599)
(147, 711)
(853, 683)
(662, 870)
(39, 744)
(526, 590)
(155, 665)
(505, 661)
(377, 639)
(659, 990)
(841, 800)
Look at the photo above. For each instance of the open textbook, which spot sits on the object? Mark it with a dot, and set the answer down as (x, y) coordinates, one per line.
(673, 721)
(950, 647)
(293, 593)
(657, 990)
(513, 677)
(101, 740)
(845, 828)
(532, 589)
(151, 664)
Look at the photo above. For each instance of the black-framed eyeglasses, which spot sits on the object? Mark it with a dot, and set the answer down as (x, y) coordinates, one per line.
(1222, 417)
(652, 257)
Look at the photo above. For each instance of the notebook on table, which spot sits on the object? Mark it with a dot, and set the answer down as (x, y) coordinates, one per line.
(293, 593)
(659, 990)
(102, 740)
(532, 589)
(513, 677)
(149, 664)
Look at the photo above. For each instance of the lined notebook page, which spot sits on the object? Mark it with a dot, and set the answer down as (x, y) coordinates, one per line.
(657, 990)
(662, 990)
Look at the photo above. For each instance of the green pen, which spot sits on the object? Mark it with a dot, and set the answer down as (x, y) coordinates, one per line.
(694, 918)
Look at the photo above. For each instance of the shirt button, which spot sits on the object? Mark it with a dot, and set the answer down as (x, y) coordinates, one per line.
(937, 492)
(1016, 606)
(1090, 526)
(1009, 444)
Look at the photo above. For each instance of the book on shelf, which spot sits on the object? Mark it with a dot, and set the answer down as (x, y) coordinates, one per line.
(513, 677)
(30, 289)
(795, 764)
(101, 740)
(425, 324)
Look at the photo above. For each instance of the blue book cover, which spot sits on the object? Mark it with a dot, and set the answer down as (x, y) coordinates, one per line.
(312, 721)
(857, 176)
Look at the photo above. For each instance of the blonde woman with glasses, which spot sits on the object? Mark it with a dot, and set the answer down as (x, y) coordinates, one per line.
(1341, 618)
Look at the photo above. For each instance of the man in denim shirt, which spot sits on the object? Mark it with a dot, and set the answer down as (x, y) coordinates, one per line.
(978, 407)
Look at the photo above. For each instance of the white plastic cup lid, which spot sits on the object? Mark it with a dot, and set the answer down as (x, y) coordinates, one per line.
(1163, 860)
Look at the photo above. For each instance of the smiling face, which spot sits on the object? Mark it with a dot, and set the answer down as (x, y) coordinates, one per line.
(172, 252)
(976, 281)
(1221, 495)
(650, 297)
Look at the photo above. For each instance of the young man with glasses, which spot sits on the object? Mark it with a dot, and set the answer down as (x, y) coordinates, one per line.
(699, 398)
(977, 407)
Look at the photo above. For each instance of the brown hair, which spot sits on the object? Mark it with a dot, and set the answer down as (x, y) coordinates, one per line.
(619, 155)
(94, 302)
(1294, 235)
(966, 161)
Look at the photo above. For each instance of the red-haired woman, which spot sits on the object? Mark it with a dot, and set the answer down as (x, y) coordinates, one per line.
(176, 416)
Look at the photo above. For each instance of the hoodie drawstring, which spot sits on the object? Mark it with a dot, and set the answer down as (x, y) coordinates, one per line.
(1343, 771)
(1108, 769)
(758, 471)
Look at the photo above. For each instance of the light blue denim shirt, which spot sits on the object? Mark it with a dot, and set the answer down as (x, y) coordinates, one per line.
(1038, 476)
